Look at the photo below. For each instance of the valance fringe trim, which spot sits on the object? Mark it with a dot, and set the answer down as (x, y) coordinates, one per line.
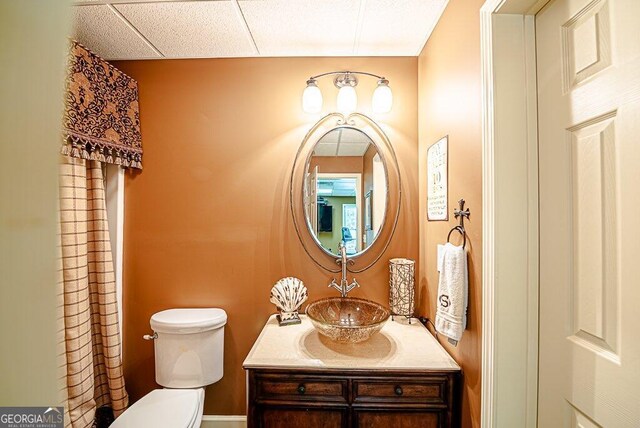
(78, 147)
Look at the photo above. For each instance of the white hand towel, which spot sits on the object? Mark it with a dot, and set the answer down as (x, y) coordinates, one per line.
(453, 294)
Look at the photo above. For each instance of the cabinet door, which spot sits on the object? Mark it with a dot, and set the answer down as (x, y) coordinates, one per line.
(278, 417)
(385, 418)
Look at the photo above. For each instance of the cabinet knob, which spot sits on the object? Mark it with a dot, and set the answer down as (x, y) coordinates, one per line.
(398, 390)
(301, 389)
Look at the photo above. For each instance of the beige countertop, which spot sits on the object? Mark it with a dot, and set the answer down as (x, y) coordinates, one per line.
(398, 346)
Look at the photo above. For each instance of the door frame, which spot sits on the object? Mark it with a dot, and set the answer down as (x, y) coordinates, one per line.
(359, 197)
(510, 210)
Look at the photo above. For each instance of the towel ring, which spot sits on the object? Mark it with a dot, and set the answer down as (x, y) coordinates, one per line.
(462, 214)
(460, 229)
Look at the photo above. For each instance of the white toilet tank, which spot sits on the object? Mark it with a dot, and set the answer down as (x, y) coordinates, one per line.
(189, 347)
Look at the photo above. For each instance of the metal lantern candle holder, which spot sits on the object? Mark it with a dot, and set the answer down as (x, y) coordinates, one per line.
(402, 287)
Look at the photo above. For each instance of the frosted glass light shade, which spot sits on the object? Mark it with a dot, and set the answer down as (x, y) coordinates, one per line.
(312, 98)
(347, 100)
(382, 98)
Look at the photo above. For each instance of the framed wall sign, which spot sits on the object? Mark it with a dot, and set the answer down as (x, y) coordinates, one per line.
(437, 184)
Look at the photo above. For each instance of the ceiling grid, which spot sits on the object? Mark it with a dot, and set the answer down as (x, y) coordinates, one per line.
(236, 6)
(134, 29)
(356, 40)
(156, 29)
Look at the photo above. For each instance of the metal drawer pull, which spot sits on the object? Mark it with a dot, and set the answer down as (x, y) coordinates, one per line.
(301, 389)
(398, 390)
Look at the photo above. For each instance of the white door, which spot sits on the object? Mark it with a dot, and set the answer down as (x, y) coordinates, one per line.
(588, 59)
(311, 198)
(350, 221)
(379, 201)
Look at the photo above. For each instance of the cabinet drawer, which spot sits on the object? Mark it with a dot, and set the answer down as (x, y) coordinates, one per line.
(432, 391)
(301, 388)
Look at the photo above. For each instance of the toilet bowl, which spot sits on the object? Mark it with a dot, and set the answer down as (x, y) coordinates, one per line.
(188, 346)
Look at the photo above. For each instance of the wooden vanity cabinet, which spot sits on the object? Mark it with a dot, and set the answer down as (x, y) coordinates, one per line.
(353, 398)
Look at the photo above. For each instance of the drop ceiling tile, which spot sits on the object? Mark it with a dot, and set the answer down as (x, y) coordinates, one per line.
(197, 29)
(326, 149)
(352, 149)
(353, 136)
(105, 33)
(397, 27)
(331, 137)
(302, 27)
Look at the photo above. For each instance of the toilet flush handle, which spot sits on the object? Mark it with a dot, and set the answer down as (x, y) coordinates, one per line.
(150, 337)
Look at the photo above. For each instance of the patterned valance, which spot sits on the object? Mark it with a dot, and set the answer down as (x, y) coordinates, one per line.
(101, 118)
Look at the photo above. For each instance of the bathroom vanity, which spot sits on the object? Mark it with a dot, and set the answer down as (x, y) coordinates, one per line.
(401, 377)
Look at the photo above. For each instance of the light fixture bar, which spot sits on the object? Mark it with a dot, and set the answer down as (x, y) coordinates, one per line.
(364, 73)
(346, 79)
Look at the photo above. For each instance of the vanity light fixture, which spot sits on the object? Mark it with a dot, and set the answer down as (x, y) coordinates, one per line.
(312, 97)
(347, 101)
(382, 97)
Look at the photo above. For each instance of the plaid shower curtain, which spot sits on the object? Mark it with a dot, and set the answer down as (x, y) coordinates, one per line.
(90, 347)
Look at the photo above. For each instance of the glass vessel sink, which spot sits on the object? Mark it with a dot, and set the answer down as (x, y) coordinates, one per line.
(347, 319)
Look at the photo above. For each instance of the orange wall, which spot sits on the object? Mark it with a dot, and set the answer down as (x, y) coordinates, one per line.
(367, 169)
(207, 222)
(337, 164)
(449, 104)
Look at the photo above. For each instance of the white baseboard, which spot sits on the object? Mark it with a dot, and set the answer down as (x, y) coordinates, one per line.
(223, 421)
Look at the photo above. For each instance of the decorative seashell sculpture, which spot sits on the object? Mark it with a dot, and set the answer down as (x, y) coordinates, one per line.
(288, 295)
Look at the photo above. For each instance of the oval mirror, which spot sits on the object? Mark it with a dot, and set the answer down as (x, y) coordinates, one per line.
(345, 191)
(345, 187)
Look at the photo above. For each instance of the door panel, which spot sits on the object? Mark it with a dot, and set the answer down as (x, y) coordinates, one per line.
(386, 418)
(302, 417)
(588, 59)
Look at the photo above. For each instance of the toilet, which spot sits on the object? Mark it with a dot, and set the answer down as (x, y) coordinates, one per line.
(188, 346)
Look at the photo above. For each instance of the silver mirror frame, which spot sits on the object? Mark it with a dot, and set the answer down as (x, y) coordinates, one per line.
(369, 256)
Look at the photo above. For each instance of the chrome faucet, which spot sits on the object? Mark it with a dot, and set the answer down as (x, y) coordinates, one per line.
(344, 286)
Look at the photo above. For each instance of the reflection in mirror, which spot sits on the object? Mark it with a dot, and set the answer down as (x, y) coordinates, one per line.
(345, 192)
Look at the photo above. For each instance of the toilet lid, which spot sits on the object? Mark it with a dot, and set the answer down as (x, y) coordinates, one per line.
(185, 320)
(164, 408)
